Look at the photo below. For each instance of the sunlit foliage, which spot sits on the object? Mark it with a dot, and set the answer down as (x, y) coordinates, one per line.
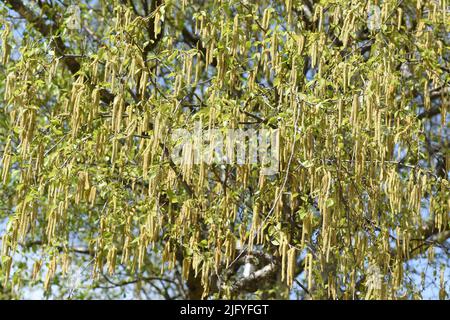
(358, 210)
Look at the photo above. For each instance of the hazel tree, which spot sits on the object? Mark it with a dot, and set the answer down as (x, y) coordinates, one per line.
(93, 204)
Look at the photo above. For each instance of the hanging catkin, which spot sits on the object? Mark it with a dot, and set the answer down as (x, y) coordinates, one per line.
(6, 47)
(291, 263)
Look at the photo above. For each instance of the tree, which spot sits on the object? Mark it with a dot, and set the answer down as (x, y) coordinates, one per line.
(94, 204)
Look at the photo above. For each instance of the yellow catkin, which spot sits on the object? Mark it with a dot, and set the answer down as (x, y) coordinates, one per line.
(235, 34)
(340, 107)
(9, 88)
(186, 268)
(320, 9)
(266, 18)
(92, 195)
(95, 102)
(36, 269)
(399, 18)
(198, 69)
(300, 44)
(143, 83)
(308, 264)
(291, 263)
(288, 4)
(444, 11)
(6, 161)
(157, 23)
(354, 115)
(6, 266)
(6, 48)
(50, 272)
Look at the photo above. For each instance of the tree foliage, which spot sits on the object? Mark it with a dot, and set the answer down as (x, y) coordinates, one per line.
(93, 205)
